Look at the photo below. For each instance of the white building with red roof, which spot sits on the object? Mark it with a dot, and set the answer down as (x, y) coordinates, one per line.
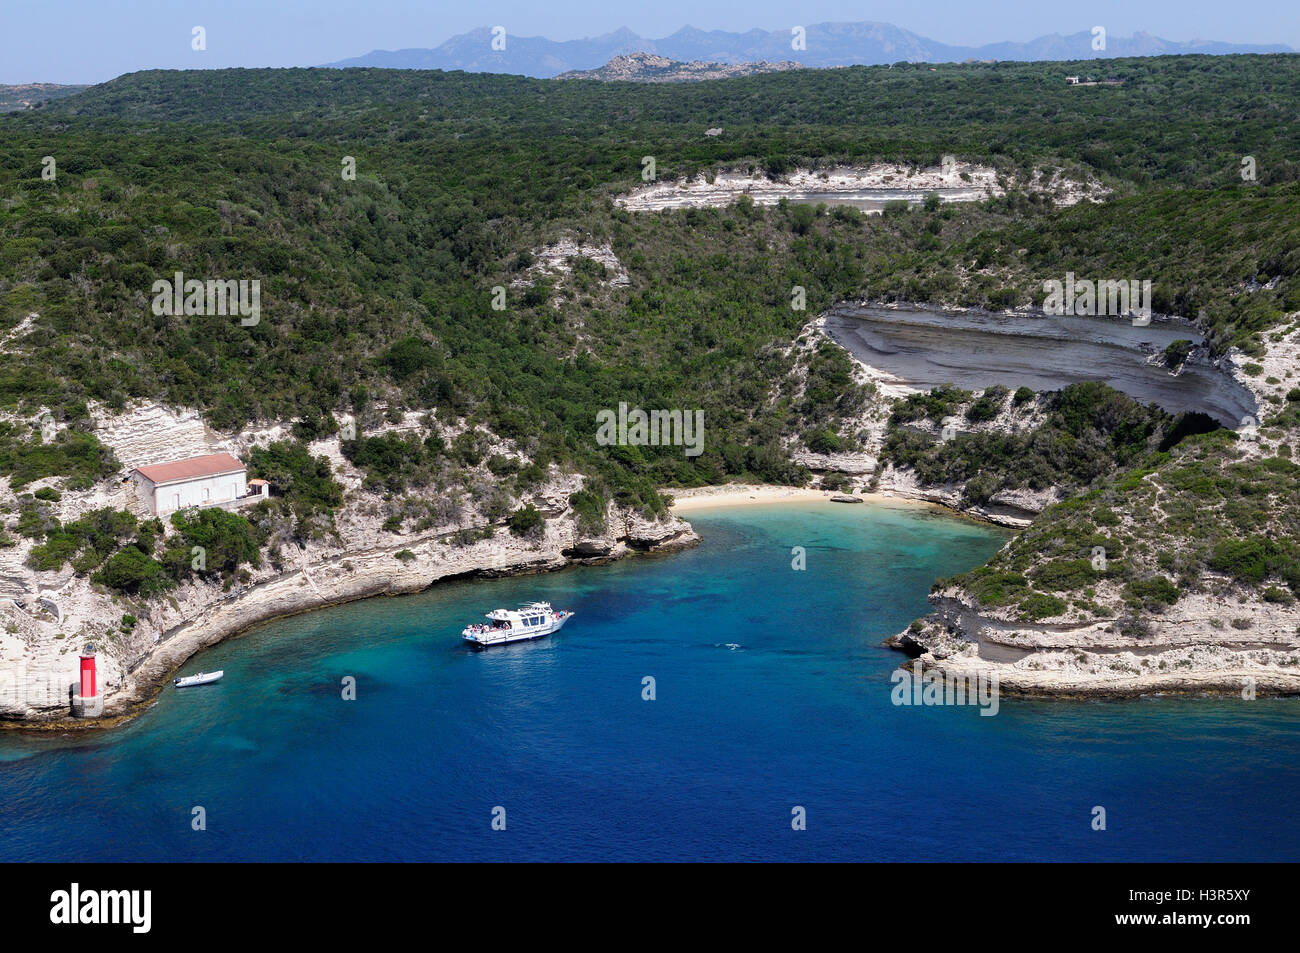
(217, 479)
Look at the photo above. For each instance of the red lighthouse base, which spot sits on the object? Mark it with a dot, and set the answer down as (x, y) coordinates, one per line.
(86, 700)
(88, 676)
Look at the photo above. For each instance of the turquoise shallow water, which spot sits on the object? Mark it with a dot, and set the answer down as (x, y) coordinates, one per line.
(772, 691)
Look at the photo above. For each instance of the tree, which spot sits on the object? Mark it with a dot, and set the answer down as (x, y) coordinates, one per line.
(131, 571)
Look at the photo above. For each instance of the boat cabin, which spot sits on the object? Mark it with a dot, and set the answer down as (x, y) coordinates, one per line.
(525, 617)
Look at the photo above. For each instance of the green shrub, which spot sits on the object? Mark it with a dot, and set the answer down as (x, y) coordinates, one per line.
(996, 587)
(1059, 575)
(1176, 353)
(1105, 516)
(1152, 594)
(132, 572)
(1134, 627)
(980, 488)
(825, 441)
(835, 480)
(526, 521)
(1282, 596)
(1244, 559)
(499, 465)
(87, 541)
(939, 402)
(75, 455)
(1041, 606)
(988, 406)
(226, 541)
(307, 483)
(589, 505)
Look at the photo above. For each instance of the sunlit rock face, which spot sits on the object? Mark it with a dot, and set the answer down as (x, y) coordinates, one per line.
(973, 350)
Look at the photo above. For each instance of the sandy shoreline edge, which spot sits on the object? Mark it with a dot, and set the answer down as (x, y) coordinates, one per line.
(737, 494)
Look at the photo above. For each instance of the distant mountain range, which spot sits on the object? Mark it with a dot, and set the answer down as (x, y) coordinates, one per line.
(825, 44)
(652, 68)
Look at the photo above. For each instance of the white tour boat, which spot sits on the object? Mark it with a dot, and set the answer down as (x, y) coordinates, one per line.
(203, 678)
(516, 625)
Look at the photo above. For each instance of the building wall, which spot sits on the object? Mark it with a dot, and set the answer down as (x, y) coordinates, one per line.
(144, 491)
(201, 491)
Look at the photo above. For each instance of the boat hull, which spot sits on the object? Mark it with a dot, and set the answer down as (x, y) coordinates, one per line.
(206, 678)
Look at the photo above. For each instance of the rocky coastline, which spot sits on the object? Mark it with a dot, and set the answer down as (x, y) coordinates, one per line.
(1219, 641)
(203, 616)
(1182, 655)
(1190, 648)
(48, 615)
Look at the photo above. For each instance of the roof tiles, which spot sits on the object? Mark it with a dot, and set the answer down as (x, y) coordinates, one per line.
(195, 468)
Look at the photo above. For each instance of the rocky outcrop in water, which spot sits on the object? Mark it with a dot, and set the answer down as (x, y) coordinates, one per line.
(1179, 653)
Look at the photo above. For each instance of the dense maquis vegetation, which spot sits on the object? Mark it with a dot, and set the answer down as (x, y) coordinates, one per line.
(33, 95)
(130, 556)
(1089, 430)
(1228, 256)
(1203, 507)
(376, 293)
(1186, 120)
(73, 454)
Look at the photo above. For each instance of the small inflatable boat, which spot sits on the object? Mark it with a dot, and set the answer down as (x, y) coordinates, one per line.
(202, 678)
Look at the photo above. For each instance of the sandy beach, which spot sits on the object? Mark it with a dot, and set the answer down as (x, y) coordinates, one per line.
(737, 494)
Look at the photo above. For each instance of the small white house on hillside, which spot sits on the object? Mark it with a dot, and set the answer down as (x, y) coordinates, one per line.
(213, 480)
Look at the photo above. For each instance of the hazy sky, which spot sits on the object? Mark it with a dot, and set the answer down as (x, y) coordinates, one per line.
(89, 41)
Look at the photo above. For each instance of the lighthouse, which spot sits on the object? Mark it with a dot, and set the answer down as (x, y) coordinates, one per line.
(88, 672)
(87, 702)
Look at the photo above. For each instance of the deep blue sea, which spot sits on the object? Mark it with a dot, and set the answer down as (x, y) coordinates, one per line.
(771, 692)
